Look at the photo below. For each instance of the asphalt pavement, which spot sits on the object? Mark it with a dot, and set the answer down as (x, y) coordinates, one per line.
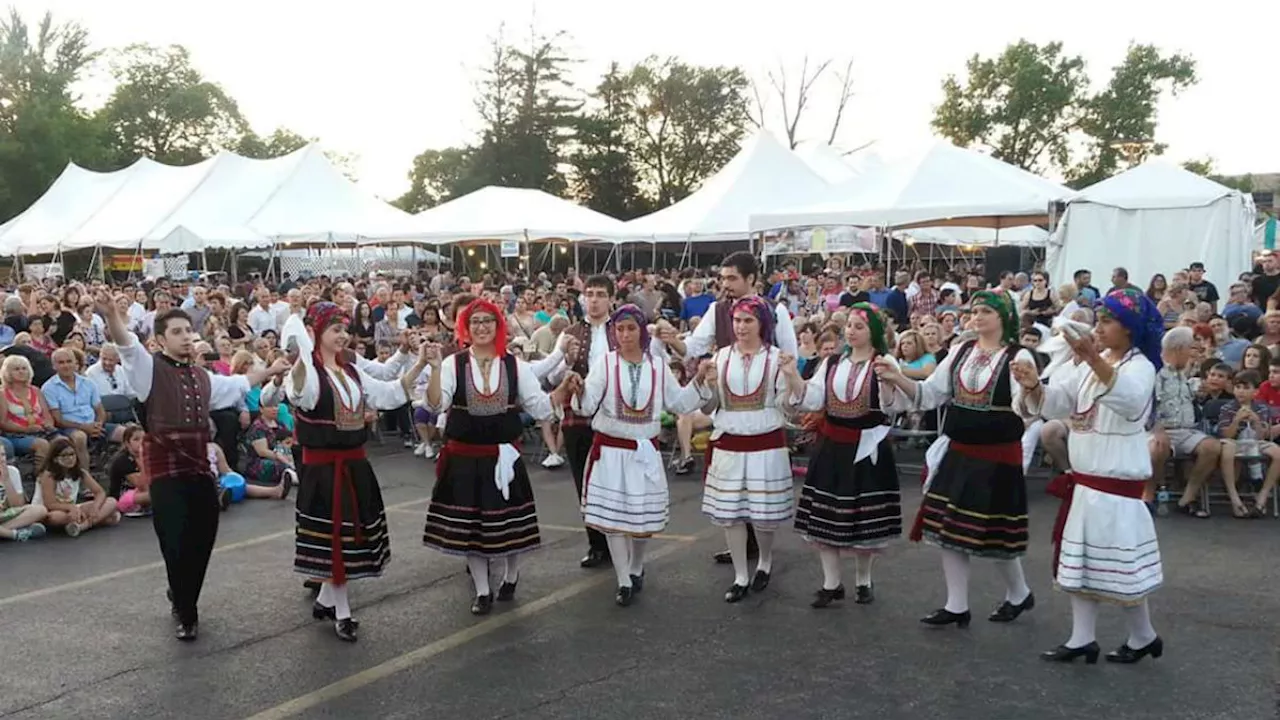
(86, 631)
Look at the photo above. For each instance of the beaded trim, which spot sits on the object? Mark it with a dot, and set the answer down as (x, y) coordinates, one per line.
(753, 400)
(859, 402)
(627, 413)
(495, 403)
(982, 398)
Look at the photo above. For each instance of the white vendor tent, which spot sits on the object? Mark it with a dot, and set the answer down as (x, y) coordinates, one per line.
(943, 185)
(500, 213)
(227, 201)
(764, 175)
(1021, 236)
(1155, 218)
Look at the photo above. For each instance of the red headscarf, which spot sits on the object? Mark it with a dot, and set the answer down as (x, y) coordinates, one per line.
(463, 329)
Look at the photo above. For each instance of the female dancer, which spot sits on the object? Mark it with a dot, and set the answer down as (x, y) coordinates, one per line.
(625, 487)
(975, 496)
(482, 505)
(1104, 538)
(850, 497)
(342, 525)
(749, 469)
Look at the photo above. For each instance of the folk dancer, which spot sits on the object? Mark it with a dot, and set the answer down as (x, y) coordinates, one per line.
(1104, 539)
(850, 500)
(625, 495)
(748, 478)
(341, 531)
(738, 275)
(482, 506)
(177, 395)
(975, 495)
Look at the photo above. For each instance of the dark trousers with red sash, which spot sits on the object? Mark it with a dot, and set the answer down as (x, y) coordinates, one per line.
(577, 445)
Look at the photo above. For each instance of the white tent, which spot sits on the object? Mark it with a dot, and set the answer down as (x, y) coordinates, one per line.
(1155, 218)
(1022, 236)
(944, 185)
(764, 175)
(827, 162)
(501, 213)
(226, 201)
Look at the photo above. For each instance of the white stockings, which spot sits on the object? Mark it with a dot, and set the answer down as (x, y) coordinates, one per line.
(955, 568)
(335, 596)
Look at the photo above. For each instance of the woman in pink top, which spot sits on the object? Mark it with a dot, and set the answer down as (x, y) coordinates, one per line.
(25, 419)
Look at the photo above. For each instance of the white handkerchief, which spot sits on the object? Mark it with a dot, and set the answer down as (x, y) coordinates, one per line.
(933, 458)
(505, 471)
(295, 329)
(647, 454)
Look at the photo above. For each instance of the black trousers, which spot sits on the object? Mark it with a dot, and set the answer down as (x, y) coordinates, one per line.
(577, 445)
(185, 514)
(227, 425)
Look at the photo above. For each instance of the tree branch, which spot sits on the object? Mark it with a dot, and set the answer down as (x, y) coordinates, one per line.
(846, 92)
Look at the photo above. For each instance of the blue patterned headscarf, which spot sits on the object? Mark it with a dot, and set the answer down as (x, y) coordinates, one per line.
(630, 312)
(1138, 314)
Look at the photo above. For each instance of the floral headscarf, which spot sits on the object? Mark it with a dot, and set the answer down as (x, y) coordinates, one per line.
(1140, 316)
(763, 311)
(320, 315)
(630, 312)
(870, 314)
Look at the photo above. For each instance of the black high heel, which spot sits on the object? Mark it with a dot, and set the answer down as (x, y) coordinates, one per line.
(825, 597)
(345, 629)
(1126, 655)
(1008, 612)
(1064, 654)
(760, 581)
(482, 605)
(624, 596)
(735, 593)
(507, 591)
(942, 617)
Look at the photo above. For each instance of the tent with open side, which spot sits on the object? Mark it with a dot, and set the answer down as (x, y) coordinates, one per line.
(1155, 218)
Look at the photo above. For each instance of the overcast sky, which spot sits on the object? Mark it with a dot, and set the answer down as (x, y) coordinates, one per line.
(385, 79)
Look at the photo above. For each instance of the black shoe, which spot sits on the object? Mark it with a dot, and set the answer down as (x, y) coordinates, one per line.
(224, 499)
(345, 629)
(594, 559)
(684, 466)
(482, 605)
(825, 597)
(313, 585)
(1126, 655)
(735, 593)
(760, 581)
(1008, 612)
(507, 591)
(1064, 654)
(723, 558)
(864, 595)
(173, 607)
(187, 631)
(320, 612)
(637, 582)
(942, 616)
(623, 598)
(286, 485)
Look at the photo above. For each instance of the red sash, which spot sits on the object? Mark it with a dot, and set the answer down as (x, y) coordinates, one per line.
(341, 480)
(603, 441)
(744, 443)
(839, 433)
(1063, 487)
(1001, 453)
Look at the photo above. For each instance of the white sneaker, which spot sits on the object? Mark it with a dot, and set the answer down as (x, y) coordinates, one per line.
(428, 451)
(420, 450)
(553, 461)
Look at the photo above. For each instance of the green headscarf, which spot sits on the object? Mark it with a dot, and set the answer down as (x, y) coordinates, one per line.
(871, 314)
(1004, 305)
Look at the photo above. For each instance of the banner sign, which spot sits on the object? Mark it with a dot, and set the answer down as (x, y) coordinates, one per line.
(823, 240)
(123, 263)
(510, 248)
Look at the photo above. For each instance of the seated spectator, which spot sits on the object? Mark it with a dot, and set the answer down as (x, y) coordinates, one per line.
(1269, 393)
(40, 339)
(268, 456)
(19, 520)
(58, 486)
(108, 376)
(26, 421)
(1238, 304)
(915, 362)
(125, 481)
(1176, 431)
(1255, 357)
(1214, 392)
(76, 406)
(1247, 430)
(1231, 346)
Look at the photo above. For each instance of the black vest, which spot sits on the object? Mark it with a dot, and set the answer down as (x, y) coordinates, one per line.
(484, 429)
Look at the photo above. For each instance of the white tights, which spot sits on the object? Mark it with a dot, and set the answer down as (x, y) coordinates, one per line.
(335, 596)
(736, 537)
(1084, 623)
(955, 568)
(627, 553)
(830, 558)
(479, 567)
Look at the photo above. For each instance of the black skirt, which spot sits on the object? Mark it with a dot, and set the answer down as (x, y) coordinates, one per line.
(977, 507)
(469, 516)
(365, 544)
(844, 504)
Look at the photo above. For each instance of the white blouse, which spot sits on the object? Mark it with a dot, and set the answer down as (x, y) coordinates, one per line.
(532, 399)
(600, 396)
(935, 391)
(815, 389)
(745, 377)
(378, 394)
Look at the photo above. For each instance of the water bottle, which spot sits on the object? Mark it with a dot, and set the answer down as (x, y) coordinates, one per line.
(1247, 447)
(1162, 499)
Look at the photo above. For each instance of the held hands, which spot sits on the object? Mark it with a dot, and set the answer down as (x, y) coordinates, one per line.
(1083, 346)
(707, 373)
(787, 364)
(665, 331)
(571, 350)
(1025, 374)
(279, 367)
(430, 354)
(886, 371)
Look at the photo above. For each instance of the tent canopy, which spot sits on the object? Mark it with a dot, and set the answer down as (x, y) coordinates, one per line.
(764, 175)
(501, 213)
(227, 201)
(1021, 236)
(1152, 185)
(942, 186)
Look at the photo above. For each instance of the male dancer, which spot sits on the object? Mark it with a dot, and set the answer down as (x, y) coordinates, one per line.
(738, 275)
(184, 500)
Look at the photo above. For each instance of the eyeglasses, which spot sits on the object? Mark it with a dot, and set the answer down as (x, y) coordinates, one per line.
(485, 320)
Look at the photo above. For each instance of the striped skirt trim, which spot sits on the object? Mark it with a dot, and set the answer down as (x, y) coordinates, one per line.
(457, 531)
(313, 554)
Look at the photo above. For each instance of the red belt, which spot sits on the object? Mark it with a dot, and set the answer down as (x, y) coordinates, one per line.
(839, 433)
(1001, 453)
(1063, 487)
(603, 441)
(341, 479)
(744, 443)
(463, 449)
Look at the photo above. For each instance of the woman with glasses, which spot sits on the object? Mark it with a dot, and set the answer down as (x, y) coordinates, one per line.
(1040, 301)
(60, 482)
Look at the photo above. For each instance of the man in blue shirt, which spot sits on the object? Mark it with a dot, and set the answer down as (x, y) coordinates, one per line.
(696, 300)
(76, 405)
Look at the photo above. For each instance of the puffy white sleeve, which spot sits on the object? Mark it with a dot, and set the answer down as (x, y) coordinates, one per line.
(1130, 394)
(448, 384)
(389, 370)
(227, 391)
(309, 395)
(593, 389)
(139, 366)
(532, 399)
(273, 393)
(544, 368)
(814, 389)
(892, 400)
(784, 331)
(659, 351)
(383, 394)
(935, 390)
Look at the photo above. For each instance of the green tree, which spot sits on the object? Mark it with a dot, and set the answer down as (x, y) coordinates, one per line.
(435, 177)
(41, 127)
(1205, 167)
(165, 109)
(1024, 105)
(281, 141)
(604, 178)
(1125, 112)
(686, 122)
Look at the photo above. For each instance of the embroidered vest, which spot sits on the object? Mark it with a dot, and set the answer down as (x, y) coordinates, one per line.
(756, 398)
(177, 420)
(331, 423)
(484, 419)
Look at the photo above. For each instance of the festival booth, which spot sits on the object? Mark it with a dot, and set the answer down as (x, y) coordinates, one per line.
(715, 219)
(1155, 218)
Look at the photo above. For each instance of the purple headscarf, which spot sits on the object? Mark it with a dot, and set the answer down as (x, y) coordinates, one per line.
(763, 311)
(630, 312)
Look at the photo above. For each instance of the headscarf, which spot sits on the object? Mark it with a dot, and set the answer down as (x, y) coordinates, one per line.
(870, 314)
(763, 311)
(630, 312)
(1134, 310)
(320, 315)
(463, 329)
(999, 301)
